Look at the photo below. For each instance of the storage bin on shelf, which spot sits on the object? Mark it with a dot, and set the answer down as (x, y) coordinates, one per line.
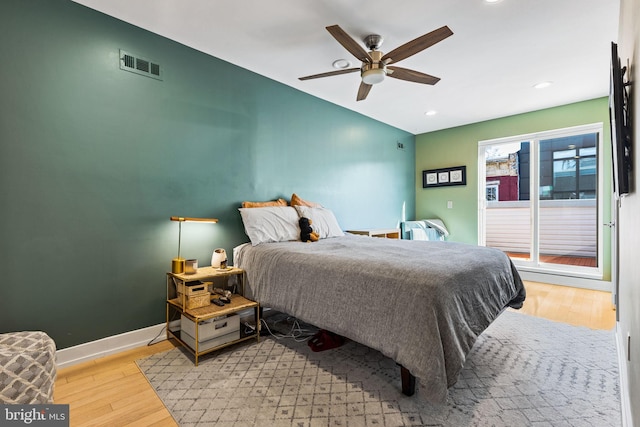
(202, 299)
(211, 332)
(192, 288)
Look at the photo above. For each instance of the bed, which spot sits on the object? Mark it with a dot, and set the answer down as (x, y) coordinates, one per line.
(421, 303)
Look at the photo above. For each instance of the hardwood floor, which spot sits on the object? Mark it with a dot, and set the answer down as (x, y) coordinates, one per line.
(579, 307)
(112, 391)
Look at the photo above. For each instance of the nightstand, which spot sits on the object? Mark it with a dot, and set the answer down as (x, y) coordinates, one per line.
(201, 326)
(388, 233)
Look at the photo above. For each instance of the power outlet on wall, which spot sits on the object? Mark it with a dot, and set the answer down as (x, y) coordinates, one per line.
(400, 145)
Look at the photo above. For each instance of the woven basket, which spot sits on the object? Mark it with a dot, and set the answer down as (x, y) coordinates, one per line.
(197, 300)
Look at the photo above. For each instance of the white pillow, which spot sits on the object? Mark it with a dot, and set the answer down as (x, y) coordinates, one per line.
(270, 224)
(323, 221)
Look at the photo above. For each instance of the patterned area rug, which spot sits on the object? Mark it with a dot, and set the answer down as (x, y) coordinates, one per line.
(523, 371)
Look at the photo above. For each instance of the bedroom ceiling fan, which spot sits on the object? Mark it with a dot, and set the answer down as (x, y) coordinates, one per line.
(375, 64)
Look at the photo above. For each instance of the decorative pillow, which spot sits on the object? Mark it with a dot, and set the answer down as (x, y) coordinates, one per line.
(279, 202)
(270, 224)
(297, 201)
(323, 221)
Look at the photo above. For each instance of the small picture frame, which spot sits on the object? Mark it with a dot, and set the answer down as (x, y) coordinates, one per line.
(431, 178)
(444, 177)
(455, 175)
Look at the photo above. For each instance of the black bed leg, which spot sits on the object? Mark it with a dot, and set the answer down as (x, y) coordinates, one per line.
(408, 381)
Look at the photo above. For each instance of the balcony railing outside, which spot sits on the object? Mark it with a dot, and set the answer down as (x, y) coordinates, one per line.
(568, 229)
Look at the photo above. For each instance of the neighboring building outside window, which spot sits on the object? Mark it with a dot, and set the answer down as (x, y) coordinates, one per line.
(568, 170)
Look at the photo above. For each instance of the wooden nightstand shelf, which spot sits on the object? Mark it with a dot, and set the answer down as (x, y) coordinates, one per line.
(389, 233)
(211, 327)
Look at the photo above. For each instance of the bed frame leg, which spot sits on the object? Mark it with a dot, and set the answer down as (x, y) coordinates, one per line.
(408, 381)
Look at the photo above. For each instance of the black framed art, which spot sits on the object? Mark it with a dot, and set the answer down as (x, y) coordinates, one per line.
(444, 177)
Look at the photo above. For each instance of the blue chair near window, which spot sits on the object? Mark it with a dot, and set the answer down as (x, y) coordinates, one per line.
(426, 229)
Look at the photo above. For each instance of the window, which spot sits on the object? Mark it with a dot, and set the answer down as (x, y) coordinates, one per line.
(572, 172)
(492, 191)
(542, 200)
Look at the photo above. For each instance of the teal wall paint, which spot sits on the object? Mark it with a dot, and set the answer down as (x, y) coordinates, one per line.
(459, 146)
(94, 160)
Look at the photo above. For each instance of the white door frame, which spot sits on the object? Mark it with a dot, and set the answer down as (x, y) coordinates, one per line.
(587, 277)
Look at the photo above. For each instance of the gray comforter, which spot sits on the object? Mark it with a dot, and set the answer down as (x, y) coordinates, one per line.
(421, 303)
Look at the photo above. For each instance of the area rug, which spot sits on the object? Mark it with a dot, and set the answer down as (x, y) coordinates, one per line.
(522, 371)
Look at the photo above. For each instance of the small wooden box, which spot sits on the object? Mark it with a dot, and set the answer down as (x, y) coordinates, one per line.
(193, 288)
(196, 301)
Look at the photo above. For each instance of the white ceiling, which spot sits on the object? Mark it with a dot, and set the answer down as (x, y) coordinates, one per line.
(487, 68)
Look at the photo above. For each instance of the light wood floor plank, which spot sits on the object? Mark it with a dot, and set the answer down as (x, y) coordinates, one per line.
(137, 408)
(579, 307)
(158, 418)
(108, 391)
(112, 391)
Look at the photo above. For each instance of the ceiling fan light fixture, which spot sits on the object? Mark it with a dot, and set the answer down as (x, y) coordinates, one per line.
(373, 76)
(374, 63)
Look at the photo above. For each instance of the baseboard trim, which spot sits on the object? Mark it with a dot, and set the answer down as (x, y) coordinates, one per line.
(556, 279)
(623, 369)
(110, 345)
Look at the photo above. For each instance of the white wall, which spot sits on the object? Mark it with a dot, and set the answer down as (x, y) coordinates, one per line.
(629, 222)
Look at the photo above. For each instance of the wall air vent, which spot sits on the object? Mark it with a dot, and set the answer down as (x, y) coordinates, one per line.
(139, 65)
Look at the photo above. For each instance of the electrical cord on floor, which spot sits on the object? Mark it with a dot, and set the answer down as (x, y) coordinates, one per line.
(156, 337)
(249, 329)
(297, 332)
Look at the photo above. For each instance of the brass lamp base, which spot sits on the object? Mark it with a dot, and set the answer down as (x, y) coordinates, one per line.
(177, 265)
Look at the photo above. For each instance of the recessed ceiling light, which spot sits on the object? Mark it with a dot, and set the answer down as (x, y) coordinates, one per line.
(542, 85)
(492, 1)
(431, 113)
(341, 64)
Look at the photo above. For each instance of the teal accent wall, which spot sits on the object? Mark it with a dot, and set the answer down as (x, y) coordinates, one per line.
(459, 146)
(94, 160)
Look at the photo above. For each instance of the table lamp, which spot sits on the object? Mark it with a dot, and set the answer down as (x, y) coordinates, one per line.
(177, 264)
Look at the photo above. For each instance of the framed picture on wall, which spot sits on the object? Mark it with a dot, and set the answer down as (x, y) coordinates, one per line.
(455, 175)
(444, 177)
(431, 178)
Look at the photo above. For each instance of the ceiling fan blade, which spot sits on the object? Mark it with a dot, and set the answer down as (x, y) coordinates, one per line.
(329, 74)
(363, 91)
(416, 45)
(412, 76)
(350, 44)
